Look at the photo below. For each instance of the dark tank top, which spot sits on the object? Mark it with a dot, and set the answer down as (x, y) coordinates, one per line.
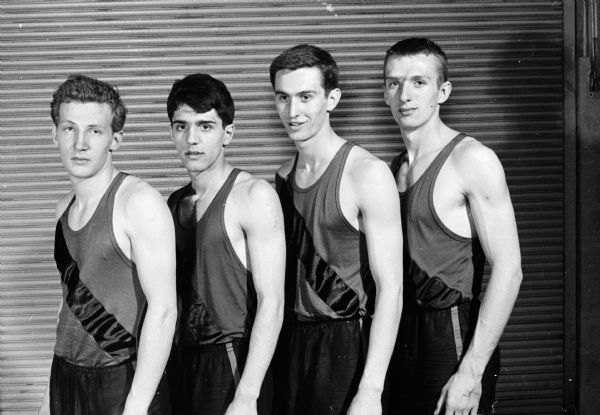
(442, 268)
(327, 271)
(103, 303)
(217, 295)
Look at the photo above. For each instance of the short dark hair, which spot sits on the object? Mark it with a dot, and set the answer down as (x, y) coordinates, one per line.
(307, 56)
(81, 88)
(415, 46)
(202, 93)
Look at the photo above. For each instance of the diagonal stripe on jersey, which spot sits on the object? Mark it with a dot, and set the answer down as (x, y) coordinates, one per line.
(103, 326)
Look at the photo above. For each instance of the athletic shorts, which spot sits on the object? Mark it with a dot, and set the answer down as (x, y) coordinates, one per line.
(203, 379)
(428, 351)
(80, 390)
(318, 366)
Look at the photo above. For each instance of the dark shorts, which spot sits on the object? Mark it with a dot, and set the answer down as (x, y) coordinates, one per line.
(428, 351)
(203, 379)
(318, 366)
(79, 390)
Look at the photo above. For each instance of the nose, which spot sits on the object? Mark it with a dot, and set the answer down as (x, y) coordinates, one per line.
(80, 141)
(293, 108)
(191, 135)
(404, 92)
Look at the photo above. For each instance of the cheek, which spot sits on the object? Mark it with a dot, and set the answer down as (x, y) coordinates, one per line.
(281, 109)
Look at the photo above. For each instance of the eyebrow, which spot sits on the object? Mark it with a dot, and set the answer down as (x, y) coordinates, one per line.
(195, 122)
(308, 91)
(410, 77)
(87, 126)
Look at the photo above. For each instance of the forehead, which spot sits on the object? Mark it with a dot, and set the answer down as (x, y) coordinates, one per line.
(85, 112)
(412, 65)
(299, 80)
(185, 113)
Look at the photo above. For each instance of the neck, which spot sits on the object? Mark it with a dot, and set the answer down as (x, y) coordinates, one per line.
(319, 150)
(212, 179)
(92, 188)
(426, 138)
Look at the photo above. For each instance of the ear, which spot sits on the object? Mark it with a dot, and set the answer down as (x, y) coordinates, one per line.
(333, 98)
(54, 139)
(444, 93)
(229, 130)
(385, 95)
(116, 141)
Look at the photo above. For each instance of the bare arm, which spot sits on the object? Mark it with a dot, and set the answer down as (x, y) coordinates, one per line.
(379, 205)
(45, 407)
(60, 208)
(489, 199)
(262, 223)
(151, 233)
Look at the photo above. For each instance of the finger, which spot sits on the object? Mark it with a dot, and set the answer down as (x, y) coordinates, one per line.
(475, 408)
(440, 402)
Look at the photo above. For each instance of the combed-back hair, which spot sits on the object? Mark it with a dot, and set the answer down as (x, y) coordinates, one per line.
(202, 93)
(414, 46)
(307, 56)
(81, 88)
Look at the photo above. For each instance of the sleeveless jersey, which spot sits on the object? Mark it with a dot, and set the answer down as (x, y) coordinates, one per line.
(103, 303)
(217, 295)
(443, 269)
(327, 270)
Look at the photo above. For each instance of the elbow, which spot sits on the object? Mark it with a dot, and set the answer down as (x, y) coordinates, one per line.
(271, 308)
(517, 277)
(164, 314)
(391, 295)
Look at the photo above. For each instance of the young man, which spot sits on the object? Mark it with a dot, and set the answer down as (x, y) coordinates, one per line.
(456, 211)
(344, 259)
(114, 249)
(230, 262)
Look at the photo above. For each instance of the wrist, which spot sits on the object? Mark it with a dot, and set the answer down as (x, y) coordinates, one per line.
(370, 388)
(245, 394)
(472, 367)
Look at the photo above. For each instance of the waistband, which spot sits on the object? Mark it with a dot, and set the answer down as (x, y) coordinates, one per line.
(329, 322)
(93, 369)
(424, 309)
(214, 347)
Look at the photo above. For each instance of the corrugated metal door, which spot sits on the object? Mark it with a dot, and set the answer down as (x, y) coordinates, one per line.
(505, 64)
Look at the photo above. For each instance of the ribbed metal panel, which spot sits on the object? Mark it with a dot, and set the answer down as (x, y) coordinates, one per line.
(505, 65)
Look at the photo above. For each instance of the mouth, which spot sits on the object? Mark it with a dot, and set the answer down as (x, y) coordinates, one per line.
(406, 111)
(193, 153)
(79, 159)
(294, 125)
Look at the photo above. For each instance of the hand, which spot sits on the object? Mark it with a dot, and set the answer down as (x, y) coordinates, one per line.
(365, 403)
(461, 395)
(242, 407)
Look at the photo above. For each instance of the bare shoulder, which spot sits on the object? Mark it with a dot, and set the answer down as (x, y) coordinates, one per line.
(365, 169)
(138, 198)
(286, 168)
(249, 190)
(476, 163)
(63, 203)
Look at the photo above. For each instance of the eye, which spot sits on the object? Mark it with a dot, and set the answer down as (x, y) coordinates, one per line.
(95, 131)
(306, 97)
(179, 127)
(392, 84)
(419, 82)
(206, 127)
(67, 129)
(282, 98)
